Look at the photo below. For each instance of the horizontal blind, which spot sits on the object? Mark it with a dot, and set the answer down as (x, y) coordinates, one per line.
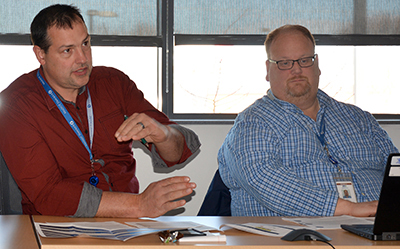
(103, 17)
(244, 17)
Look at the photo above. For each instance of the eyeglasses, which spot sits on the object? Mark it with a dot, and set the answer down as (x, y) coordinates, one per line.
(288, 64)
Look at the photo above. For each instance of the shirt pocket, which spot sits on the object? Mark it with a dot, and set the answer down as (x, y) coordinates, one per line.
(355, 146)
(109, 124)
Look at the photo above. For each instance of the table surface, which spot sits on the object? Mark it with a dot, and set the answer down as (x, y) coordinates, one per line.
(234, 238)
(16, 232)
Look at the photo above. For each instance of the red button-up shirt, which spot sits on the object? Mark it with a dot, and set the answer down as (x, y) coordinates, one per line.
(45, 156)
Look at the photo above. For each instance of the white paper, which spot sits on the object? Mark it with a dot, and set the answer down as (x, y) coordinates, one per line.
(332, 222)
(104, 230)
(209, 238)
(115, 230)
(273, 230)
(171, 225)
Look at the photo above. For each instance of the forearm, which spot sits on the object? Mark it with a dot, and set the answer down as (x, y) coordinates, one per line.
(118, 204)
(171, 149)
(362, 209)
(89, 201)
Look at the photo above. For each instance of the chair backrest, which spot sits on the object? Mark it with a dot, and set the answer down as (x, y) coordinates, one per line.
(218, 199)
(10, 195)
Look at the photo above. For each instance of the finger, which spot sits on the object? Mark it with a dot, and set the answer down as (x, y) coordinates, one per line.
(173, 180)
(174, 204)
(132, 129)
(177, 194)
(170, 192)
(127, 121)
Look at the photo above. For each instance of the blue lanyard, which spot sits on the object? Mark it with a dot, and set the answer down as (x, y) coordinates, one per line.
(321, 135)
(68, 117)
(321, 138)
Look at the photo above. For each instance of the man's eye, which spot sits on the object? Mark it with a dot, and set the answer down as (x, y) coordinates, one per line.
(304, 60)
(67, 50)
(285, 63)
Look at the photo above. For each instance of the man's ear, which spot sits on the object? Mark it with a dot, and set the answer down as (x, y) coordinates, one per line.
(40, 54)
(319, 70)
(267, 66)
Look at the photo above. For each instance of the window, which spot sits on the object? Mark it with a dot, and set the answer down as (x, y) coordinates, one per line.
(218, 79)
(219, 58)
(139, 63)
(226, 79)
(133, 49)
(205, 59)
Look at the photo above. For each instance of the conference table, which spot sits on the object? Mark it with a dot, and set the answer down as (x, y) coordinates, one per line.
(17, 231)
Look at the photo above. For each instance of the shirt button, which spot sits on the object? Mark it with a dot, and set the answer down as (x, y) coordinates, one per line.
(363, 194)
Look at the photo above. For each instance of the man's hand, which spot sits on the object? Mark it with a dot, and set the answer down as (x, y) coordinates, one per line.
(139, 126)
(158, 198)
(361, 209)
(169, 141)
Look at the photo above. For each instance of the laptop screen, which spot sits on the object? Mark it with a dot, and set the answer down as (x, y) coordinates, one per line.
(387, 217)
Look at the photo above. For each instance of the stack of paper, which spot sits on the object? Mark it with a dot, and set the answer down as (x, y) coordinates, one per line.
(105, 230)
(119, 231)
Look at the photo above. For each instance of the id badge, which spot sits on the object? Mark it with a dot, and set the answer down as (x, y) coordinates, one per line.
(345, 186)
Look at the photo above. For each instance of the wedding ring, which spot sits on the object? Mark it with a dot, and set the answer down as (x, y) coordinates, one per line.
(141, 125)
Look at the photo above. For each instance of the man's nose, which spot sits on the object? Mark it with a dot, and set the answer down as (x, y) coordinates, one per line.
(296, 67)
(81, 56)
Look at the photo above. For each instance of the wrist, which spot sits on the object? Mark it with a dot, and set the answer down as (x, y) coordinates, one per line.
(343, 207)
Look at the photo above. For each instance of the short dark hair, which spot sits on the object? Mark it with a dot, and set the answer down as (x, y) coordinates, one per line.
(284, 29)
(59, 15)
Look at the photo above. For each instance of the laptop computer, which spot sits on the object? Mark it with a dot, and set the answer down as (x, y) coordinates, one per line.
(387, 218)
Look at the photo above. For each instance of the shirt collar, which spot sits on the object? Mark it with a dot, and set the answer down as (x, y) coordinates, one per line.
(282, 103)
(50, 103)
(323, 99)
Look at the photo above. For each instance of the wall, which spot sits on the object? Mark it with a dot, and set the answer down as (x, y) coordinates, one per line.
(202, 168)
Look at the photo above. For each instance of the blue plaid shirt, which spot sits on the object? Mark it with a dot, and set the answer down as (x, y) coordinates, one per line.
(275, 165)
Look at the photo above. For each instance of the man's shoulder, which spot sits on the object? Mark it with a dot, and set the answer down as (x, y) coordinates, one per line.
(346, 112)
(108, 77)
(21, 87)
(339, 106)
(264, 114)
(103, 71)
(263, 108)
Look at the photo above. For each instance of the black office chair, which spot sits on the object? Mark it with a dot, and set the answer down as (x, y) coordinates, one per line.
(218, 199)
(10, 195)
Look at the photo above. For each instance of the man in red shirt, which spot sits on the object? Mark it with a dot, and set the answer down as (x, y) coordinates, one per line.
(67, 128)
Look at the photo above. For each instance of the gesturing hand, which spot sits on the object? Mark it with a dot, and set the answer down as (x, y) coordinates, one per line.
(169, 141)
(159, 197)
(139, 126)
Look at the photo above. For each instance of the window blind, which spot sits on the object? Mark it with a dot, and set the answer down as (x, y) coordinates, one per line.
(244, 17)
(103, 17)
